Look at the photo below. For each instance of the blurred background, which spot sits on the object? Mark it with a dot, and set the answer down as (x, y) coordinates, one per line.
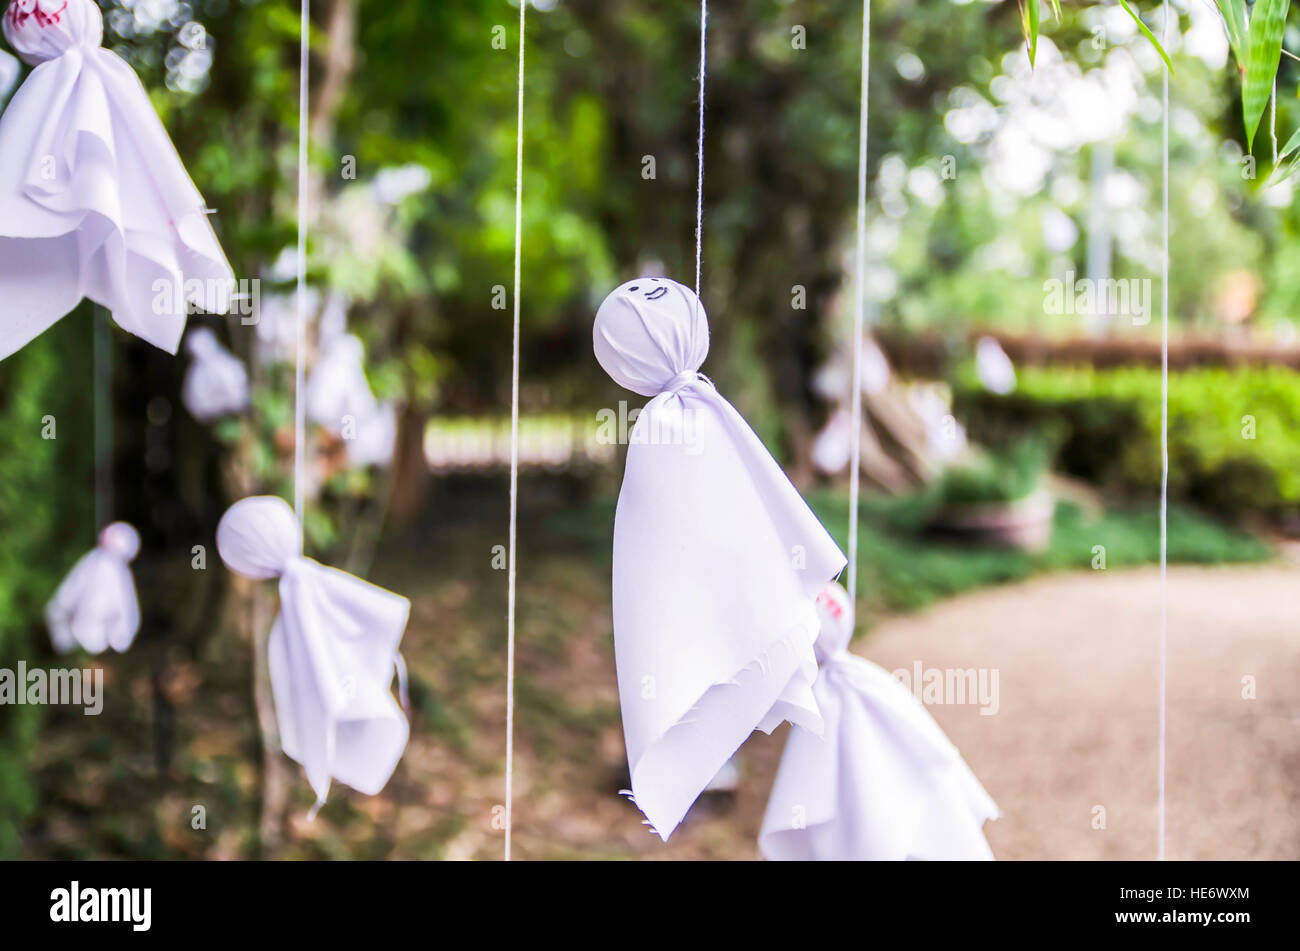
(1011, 411)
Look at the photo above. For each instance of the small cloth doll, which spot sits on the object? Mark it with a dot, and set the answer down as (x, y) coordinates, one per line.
(339, 398)
(94, 200)
(95, 607)
(332, 652)
(717, 561)
(216, 383)
(882, 781)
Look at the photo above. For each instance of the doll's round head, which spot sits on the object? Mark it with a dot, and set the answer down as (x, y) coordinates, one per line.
(650, 331)
(201, 342)
(121, 539)
(41, 30)
(835, 610)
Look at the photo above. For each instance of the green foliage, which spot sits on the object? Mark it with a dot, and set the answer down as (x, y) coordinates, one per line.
(1031, 24)
(46, 507)
(1031, 28)
(1235, 21)
(1234, 435)
(1013, 473)
(901, 569)
(1267, 24)
(1146, 31)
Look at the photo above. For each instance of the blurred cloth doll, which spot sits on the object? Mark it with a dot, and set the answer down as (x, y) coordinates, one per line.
(882, 781)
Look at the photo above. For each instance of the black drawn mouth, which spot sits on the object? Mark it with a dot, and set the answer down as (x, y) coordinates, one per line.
(657, 293)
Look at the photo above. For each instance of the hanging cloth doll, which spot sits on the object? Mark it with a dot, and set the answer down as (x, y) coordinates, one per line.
(339, 398)
(882, 781)
(717, 561)
(94, 200)
(216, 383)
(332, 652)
(95, 607)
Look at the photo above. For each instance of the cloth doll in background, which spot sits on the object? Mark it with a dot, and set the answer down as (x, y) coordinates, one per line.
(717, 561)
(339, 398)
(216, 383)
(95, 607)
(332, 652)
(882, 781)
(94, 200)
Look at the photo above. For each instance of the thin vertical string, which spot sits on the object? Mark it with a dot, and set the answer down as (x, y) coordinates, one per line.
(858, 305)
(299, 406)
(102, 350)
(1164, 437)
(514, 441)
(699, 174)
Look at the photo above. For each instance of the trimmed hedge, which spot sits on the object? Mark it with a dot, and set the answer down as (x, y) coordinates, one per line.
(46, 522)
(1234, 435)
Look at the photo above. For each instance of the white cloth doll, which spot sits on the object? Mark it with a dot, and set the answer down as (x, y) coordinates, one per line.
(94, 200)
(882, 781)
(95, 607)
(216, 383)
(332, 652)
(277, 324)
(996, 372)
(340, 400)
(717, 561)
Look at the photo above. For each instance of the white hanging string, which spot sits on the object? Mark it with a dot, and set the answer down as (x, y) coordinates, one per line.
(514, 442)
(299, 405)
(1164, 435)
(102, 349)
(699, 175)
(858, 305)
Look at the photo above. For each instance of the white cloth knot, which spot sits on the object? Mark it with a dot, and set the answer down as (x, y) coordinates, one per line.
(686, 378)
(42, 30)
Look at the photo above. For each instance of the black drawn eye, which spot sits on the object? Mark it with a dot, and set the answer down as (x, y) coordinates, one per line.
(630, 289)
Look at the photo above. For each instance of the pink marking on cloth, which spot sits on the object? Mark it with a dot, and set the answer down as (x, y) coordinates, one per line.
(20, 16)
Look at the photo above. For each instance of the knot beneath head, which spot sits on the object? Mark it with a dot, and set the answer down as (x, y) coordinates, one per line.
(684, 379)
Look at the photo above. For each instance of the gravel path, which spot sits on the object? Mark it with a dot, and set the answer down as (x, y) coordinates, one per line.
(1076, 726)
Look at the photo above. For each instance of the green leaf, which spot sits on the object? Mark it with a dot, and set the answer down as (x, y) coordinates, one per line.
(1267, 23)
(1146, 31)
(1292, 144)
(1056, 9)
(1031, 28)
(1281, 174)
(1234, 18)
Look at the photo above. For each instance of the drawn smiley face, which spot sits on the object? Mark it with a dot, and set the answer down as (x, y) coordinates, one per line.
(650, 288)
